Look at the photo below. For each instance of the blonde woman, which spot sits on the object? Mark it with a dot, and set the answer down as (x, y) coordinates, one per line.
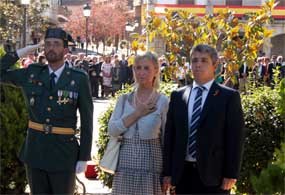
(139, 117)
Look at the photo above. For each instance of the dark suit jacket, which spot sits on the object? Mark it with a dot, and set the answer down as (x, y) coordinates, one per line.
(53, 152)
(270, 69)
(220, 135)
(241, 71)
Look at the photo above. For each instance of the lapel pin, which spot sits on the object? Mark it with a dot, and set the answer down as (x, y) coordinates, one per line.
(72, 83)
(32, 75)
(216, 92)
(68, 72)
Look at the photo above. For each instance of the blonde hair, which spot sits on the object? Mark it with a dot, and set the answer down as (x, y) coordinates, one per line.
(153, 58)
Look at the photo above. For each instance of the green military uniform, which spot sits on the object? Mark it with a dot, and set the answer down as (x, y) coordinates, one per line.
(55, 107)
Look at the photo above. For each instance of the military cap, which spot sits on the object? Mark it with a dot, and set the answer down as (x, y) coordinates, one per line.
(59, 33)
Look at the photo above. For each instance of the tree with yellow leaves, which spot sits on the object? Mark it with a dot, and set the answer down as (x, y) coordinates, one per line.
(239, 40)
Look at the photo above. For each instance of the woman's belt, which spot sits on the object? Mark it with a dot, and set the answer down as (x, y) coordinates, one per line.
(47, 129)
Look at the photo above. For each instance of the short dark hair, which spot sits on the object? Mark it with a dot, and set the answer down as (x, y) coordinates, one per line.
(203, 48)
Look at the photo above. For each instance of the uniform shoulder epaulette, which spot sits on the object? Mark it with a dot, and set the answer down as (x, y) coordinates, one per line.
(37, 65)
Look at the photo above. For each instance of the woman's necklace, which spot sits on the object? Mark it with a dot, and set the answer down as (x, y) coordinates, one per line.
(137, 100)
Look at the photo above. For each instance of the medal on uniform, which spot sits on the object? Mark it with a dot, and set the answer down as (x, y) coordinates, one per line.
(65, 97)
(32, 101)
(59, 94)
(75, 95)
(70, 97)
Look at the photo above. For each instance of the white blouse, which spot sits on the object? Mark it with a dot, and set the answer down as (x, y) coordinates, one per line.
(150, 126)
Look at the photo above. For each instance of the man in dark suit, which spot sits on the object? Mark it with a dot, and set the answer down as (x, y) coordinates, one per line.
(204, 134)
(53, 93)
(243, 74)
(94, 76)
(123, 70)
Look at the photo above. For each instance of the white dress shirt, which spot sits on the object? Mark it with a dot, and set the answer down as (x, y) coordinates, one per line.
(191, 100)
(57, 72)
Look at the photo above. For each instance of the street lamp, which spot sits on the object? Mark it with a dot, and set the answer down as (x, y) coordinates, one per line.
(25, 4)
(86, 13)
(129, 28)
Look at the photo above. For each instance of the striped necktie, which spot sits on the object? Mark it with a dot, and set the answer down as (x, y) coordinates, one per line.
(52, 80)
(195, 121)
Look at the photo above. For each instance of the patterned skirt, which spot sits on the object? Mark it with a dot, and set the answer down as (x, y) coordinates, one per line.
(139, 168)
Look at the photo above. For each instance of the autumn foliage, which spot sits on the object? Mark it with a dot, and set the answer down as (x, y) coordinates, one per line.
(106, 21)
(238, 39)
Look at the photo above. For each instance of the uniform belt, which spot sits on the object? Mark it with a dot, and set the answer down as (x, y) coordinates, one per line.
(47, 129)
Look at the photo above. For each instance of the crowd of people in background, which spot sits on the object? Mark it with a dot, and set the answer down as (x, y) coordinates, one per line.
(107, 74)
(261, 73)
(111, 73)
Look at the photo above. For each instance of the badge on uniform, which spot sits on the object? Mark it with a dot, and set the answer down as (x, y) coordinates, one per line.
(65, 97)
(32, 101)
(59, 94)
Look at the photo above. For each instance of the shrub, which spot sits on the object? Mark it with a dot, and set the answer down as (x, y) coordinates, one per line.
(13, 123)
(271, 180)
(165, 88)
(264, 128)
(13, 116)
(281, 103)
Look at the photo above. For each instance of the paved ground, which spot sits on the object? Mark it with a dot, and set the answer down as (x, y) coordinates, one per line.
(94, 186)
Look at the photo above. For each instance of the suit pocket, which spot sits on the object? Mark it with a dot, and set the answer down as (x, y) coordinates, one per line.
(33, 95)
(66, 148)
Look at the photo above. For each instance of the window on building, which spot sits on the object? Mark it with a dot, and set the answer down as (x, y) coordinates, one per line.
(185, 1)
(208, 2)
(200, 2)
(233, 2)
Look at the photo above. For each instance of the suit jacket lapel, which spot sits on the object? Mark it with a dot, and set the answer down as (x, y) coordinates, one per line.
(186, 95)
(214, 90)
(185, 98)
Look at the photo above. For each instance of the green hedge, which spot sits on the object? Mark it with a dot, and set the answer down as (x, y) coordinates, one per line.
(272, 179)
(13, 125)
(264, 127)
(13, 116)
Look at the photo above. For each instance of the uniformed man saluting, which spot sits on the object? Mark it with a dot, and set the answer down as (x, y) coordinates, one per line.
(53, 92)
